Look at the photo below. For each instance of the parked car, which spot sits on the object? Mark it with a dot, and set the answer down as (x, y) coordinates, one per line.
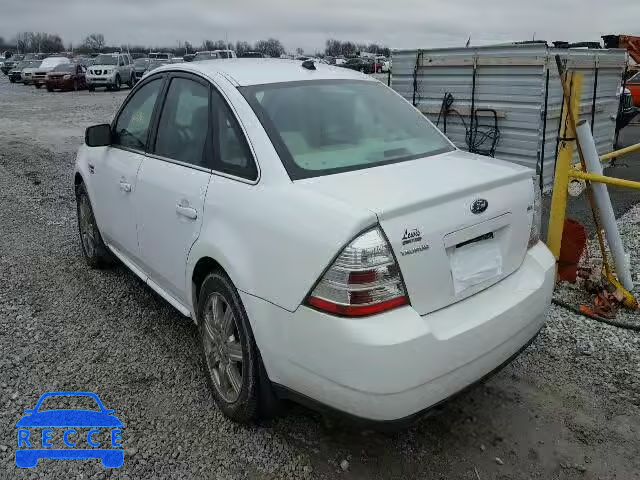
(27, 73)
(156, 64)
(225, 53)
(67, 76)
(140, 66)
(110, 70)
(15, 75)
(383, 65)
(10, 63)
(252, 55)
(370, 302)
(160, 55)
(364, 65)
(205, 55)
(188, 57)
(176, 60)
(38, 78)
(633, 84)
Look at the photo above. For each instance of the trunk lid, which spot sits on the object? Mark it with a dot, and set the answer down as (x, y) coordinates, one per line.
(457, 222)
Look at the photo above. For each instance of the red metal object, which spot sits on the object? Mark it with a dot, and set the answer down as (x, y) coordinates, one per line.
(574, 239)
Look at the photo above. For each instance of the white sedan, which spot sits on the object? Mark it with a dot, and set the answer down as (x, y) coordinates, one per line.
(330, 243)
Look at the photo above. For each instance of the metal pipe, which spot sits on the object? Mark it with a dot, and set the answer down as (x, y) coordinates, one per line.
(603, 202)
(593, 177)
(621, 152)
(544, 128)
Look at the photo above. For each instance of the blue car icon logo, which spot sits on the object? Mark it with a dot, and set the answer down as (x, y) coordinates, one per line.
(36, 433)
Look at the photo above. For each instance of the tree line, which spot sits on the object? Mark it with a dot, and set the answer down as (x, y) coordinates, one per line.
(44, 42)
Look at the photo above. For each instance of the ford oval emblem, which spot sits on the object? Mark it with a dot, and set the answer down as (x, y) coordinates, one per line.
(479, 206)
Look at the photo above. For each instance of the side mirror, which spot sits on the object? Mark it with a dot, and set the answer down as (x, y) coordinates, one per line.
(98, 135)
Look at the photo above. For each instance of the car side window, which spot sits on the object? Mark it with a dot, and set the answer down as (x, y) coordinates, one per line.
(184, 122)
(132, 126)
(232, 153)
(121, 61)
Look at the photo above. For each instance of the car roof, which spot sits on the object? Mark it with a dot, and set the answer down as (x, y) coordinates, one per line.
(258, 71)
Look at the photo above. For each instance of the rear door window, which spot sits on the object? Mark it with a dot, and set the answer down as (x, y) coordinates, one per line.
(232, 153)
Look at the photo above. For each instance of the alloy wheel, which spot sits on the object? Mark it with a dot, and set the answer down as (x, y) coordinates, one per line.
(87, 227)
(223, 350)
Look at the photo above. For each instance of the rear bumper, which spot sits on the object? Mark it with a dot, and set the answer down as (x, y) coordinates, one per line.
(394, 365)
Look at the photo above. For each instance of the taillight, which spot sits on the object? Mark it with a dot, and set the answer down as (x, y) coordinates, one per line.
(363, 280)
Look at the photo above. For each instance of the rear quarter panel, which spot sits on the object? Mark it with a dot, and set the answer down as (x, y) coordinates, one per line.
(274, 242)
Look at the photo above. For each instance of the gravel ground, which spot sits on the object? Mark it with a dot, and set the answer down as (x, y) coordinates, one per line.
(567, 408)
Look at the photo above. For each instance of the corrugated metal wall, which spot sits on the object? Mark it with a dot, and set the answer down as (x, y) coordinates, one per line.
(511, 80)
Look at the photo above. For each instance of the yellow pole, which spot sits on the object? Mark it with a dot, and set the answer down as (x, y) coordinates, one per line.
(621, 152)
(594, 177)
(563, 165)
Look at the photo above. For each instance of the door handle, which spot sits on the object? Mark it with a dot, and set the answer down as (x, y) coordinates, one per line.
(125, 187)
(188, 212)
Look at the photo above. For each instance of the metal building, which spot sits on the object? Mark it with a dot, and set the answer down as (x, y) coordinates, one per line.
(516, 87)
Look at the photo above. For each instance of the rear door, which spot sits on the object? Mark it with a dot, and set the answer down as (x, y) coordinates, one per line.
(173, 182)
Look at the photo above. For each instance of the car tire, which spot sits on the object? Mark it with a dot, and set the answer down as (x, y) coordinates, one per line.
(233, 365)
(131, 81)
(49, 89)
(76, 86)
(95, 252)
(117, 84)
(38, 85)
(12, 80)
(91, 88)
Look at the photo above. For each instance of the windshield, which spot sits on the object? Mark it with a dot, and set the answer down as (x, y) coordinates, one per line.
(324, 127)
(65, 67)
(105, 60)
(141, 62)
(635, 78)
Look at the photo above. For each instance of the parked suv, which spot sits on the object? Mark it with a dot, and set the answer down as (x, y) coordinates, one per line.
(27, 73)
(364, 65)
(39, 77)
(353, 256)
(110, 70)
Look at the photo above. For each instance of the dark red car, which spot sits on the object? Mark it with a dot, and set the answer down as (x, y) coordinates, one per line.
(66, 76)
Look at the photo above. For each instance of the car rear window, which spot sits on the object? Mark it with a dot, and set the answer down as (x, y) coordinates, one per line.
(323, 127)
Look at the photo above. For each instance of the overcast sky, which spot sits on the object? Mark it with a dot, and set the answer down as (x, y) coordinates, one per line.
(308, 23)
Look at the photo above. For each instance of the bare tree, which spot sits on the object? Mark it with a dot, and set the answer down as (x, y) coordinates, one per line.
(271, 47)
(242, 47)
(95, 42)
(299, 51)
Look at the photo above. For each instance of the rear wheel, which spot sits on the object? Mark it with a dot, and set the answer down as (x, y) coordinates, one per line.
(38, 85)
(12, 80)
(234, 368)
(131, 81)
(76, 86)
(117, 84)
(49, 89)
(91, 88)
(95, 252)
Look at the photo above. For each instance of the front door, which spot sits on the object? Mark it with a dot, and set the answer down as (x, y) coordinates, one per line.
(116, 170)
(172, 184)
